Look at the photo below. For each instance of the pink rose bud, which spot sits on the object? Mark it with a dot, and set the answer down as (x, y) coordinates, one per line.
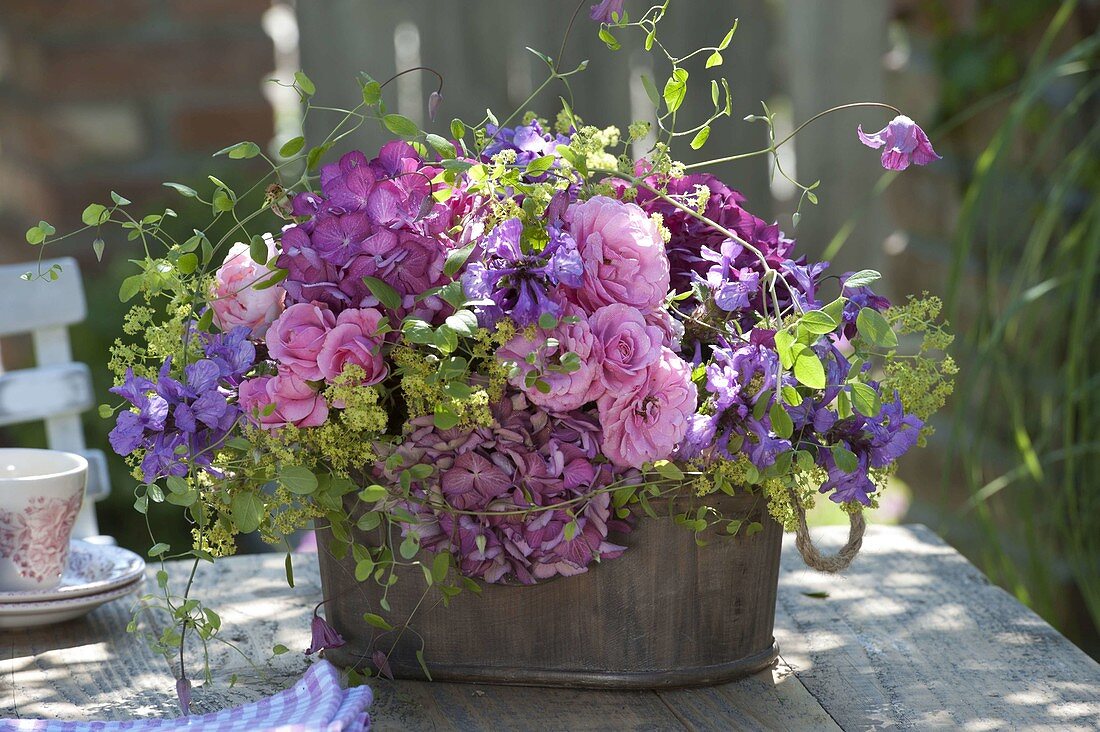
(354, 340)
(276, 401)
(296, 337)
(234, 299)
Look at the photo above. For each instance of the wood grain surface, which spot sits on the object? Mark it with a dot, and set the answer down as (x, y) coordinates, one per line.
(912, 636)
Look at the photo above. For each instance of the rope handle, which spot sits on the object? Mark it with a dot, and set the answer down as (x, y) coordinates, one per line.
(812, 556)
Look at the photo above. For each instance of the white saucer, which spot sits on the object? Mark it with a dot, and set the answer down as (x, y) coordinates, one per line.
(92, 569)
(17, 615)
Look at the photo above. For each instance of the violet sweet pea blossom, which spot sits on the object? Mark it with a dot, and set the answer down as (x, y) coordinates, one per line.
(903, 142)
(603, 10)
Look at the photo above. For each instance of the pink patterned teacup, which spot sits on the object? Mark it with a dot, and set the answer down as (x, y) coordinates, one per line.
(40, 496)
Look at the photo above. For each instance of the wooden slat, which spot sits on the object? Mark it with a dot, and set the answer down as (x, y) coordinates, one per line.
(29, 306)
(28, 395)
(913, 635)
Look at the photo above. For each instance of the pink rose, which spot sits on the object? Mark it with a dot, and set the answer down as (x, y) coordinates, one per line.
(671, 328)
(649, 421)
(296, 402)
(622, 252)
(354, 340)
(296, 337)
(625, 345)
(233, 299)
(568, 390)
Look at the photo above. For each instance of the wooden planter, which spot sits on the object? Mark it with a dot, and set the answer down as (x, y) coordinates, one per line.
(665, 614)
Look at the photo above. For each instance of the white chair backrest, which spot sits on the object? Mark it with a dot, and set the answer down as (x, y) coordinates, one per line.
(56, 390)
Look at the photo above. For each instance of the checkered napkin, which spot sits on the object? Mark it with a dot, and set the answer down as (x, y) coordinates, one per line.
(316, 702)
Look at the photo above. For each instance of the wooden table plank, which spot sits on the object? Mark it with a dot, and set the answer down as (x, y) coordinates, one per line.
(913, 635)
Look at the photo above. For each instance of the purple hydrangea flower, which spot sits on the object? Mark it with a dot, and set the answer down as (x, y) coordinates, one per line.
(903, 142)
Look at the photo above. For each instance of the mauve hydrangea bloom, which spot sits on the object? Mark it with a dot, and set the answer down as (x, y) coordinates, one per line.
(373, 218)
(296, 337)
(177, 421)
(622, 252)
(603, 10)
(528, 459)
(649, 421)
(233, 299)
(568, 390)
(904, 142)
(625, 346)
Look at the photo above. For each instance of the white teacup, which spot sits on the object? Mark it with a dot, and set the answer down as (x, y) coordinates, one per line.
(40, 495)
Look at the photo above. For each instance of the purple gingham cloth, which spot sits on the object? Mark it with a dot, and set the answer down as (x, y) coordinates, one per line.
(317, 702)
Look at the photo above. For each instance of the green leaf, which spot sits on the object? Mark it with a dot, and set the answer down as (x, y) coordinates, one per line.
(35, 235)
(257, 250)
(441, 145)
(445, 338)
(120, 200)
(464, 323)
(305, 83)
(372, 93)
(177, 484)
(130, 287)
(47, 228)
(651, 90)
(313, 157)
(668, 469)
(548, 321)
(409, 547)
(571, 530)
(700, 138)
(818, 322)
(781, 421)
(280, 649)
(835, 309)
(288, 567)
(872, 326)
(385, 294)
(373, 493)
(292, 147)
(609, 39)
(247, 511)
(363, 569)
(417, 331)
(423, 663)
(808, 369)
(440, 565)
(95, 214)
(865, 399)
(540, 165)
(784, 343)
(188, 263)
(159, 549)
(400, 125)
(458, 129)
(676, 89)
(729, 37)
(456, 258)
(221, 201)
(105, 411)
(844, 458)
(444, 417)
(377, 621)
(862, 278)
(715, 59)
(298, 479)
(816, 595)
(240, 151)
(791, 396)
(185, 191)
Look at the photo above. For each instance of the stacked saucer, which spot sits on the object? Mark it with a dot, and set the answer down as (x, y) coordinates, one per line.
(95, 574)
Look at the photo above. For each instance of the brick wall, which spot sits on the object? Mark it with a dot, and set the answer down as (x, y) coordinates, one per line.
(122, 94)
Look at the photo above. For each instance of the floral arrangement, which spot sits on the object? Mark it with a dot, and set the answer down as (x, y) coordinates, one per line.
(494, 344)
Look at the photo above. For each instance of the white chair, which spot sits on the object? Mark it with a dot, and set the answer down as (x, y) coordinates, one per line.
(56, 390)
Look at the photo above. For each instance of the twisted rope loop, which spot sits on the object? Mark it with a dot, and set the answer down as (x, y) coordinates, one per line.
(812, 556)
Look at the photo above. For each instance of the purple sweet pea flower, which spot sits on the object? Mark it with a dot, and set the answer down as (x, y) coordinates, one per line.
(604, 10)
(904, 142)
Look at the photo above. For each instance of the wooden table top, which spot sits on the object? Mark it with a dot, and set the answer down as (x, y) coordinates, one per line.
(913, 635)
